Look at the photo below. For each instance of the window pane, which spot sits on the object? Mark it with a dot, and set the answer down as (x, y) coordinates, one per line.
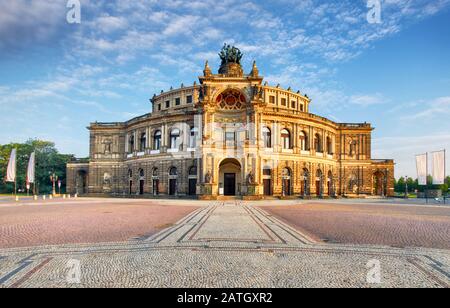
(230, 136)
(193, 138)
(157, 141)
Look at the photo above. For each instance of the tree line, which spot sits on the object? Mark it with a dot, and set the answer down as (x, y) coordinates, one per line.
(48, 161)
(413, 185)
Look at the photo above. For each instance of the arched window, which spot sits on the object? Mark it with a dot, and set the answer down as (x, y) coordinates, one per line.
(305, 182)
(193, 171)
(286, 173)
(319, 174)
(130, 174)
(131, 144)
(286, 139)
(173, 171)
(193, 138)
(175, 139)
(304, 145)
(330, 146)
(141, 173)
(318, 143)
(319, 182)
(157, 141)
(155, 172)
(143, 142)
(286, 180)
(330, 184)
(267, 137)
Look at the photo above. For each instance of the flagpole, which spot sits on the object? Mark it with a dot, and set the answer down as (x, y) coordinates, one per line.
(15, 177)
(426, 181)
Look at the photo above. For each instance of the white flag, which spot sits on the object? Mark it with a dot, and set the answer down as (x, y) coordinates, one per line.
(439, 168)
(30, 172)
(11, 172)
(422, 170)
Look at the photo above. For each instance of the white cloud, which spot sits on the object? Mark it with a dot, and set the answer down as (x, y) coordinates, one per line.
(182, 25)
(365, 100)
(31, 21)
(110, 24)
(430, 109)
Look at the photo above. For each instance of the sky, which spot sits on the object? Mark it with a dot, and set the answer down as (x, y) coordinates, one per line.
(57, 77)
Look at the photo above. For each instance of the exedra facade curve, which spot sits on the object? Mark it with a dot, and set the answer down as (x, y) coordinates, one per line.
(231, 134)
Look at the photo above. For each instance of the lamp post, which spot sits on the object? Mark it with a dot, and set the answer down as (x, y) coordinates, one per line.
(54, 179)
(406, 187)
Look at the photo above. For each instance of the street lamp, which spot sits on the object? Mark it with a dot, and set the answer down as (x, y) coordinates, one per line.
(54, 179)
(406, 186)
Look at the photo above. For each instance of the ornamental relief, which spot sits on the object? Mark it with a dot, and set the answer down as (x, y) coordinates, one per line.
(231, 100)
(352, 147)
(106, 144)
(231, 120)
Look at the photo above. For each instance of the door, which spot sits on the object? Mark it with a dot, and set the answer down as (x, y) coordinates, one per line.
(287, 187)
(192, 187)
(156, 187)
(172, 187)
(230, 184)
(267, 187)
(131, 187)
(141, 187)
(319, 188)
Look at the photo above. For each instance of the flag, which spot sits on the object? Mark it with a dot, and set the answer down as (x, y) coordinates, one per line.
(11, 172)
(422, 170)
(438, 168)
(31, 169)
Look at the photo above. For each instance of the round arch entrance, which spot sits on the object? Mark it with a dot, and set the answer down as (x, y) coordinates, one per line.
(81, 182)
(230, 177)
(379, 187)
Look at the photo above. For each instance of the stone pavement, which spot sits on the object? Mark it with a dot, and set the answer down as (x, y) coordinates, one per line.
(374, 224)
(59, 222)
(229, 244)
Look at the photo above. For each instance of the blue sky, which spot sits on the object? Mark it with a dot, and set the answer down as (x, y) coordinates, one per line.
(56, 78)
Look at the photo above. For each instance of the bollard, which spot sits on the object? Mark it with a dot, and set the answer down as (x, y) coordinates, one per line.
(68, 196)
(35, 198)
(17, 198)
(50, 197)
(64, 196)
(76, 196)
(44, 197)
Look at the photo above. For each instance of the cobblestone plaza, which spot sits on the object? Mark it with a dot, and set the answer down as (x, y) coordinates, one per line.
(226, 244)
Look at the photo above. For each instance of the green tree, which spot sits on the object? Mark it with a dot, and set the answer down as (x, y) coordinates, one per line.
(446, 186)
(48, 161)
(412, 184)
(400, 185)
